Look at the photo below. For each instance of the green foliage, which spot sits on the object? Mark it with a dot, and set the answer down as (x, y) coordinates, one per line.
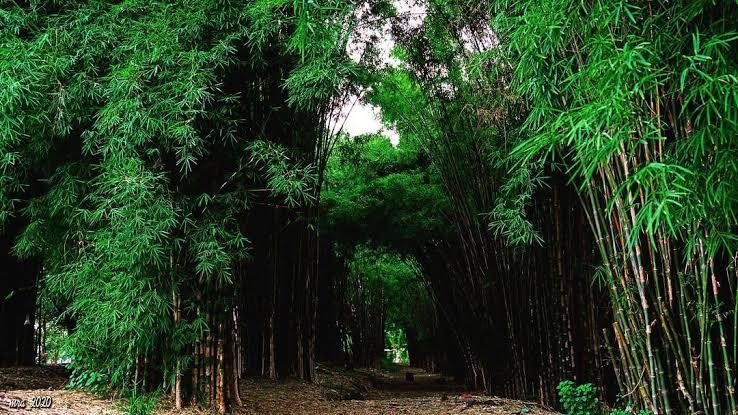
(54, 339)
(376, 191)
(386, 297)
(386, 278)
(136, 136)
(583, 400)
(291, 181)
(579, 400)
(637, 102)
(458, 124)
(599, 80)
(396, 341)
(141, 404)
(133, 138)
(87, 379)
(380, 201)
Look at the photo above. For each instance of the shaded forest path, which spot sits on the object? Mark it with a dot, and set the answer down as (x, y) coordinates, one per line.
(378, 392)
(336, 392)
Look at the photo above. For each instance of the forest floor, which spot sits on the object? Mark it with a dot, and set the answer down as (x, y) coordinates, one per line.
(336, 392)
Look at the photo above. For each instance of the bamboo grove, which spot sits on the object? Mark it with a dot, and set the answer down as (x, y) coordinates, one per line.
(176, 191)
(643, 120)
(150, 151)
(623, 113)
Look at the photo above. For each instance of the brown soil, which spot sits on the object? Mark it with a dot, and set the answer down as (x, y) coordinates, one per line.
(27, 383)
(37, 377)
(336, 392)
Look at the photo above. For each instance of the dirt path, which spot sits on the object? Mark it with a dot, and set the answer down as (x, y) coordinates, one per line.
(336, 392)
(26, 383)
(384, 393)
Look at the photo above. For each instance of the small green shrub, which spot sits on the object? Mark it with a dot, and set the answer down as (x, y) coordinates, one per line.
(579, 400)
(582, 400)
(141, 404)
(88, 380)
